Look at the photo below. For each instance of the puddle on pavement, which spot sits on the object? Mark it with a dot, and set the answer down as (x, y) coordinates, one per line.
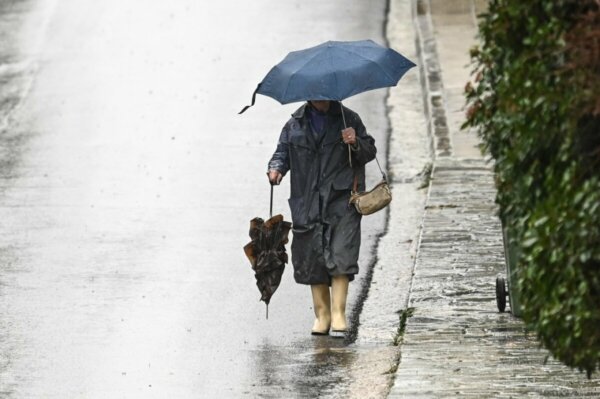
(317, 366)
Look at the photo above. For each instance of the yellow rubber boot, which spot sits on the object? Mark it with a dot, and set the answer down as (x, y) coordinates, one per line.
(339, 293)
(322, 307)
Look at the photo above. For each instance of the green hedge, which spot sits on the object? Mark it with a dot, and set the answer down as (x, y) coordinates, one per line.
(534, 102)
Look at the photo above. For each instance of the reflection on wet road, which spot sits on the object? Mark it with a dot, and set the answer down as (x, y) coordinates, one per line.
(127, 181)
(319, 368)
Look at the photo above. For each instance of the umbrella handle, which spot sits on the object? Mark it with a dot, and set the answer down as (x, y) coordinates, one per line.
(344, 119)
(350, 155)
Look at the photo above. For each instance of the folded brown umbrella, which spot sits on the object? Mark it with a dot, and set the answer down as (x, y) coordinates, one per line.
(267, 255)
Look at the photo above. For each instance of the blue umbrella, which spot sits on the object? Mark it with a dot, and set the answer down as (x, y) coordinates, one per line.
(333, 71)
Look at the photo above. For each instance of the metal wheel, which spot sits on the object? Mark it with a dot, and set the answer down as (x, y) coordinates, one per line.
(501, 293)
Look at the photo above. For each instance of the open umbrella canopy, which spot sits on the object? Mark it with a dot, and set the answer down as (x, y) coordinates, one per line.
(266, 252)
(333, 71)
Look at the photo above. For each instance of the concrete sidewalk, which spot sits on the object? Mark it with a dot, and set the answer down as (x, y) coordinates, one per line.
(456, 344)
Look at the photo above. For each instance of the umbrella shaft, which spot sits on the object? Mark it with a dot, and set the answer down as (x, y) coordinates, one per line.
(271, 205)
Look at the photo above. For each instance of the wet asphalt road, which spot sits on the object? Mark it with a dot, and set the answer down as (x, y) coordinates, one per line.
(127, 182)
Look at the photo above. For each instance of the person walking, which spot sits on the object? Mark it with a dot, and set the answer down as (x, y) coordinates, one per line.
(324, 158)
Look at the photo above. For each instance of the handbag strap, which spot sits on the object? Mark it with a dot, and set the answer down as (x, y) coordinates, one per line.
(383, 175)
(355, 183)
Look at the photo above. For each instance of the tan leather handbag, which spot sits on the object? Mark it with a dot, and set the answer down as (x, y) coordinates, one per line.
(371, 201)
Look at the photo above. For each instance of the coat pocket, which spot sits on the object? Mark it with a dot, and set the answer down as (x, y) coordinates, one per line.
(299, 214)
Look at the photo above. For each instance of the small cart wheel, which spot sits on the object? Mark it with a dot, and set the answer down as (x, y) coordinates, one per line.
(501, 293)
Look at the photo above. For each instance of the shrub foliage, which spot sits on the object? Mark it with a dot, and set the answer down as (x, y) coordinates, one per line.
(534, 101)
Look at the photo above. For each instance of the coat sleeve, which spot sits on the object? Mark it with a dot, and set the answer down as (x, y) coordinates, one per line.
(280, 159)
(364, 150)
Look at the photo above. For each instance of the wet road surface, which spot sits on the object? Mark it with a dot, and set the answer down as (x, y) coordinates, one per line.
(127, 182)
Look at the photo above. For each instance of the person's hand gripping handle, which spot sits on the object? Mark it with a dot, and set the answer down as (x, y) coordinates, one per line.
(275, 177)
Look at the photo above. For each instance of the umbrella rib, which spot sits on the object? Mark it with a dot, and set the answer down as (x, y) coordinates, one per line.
(334, 73)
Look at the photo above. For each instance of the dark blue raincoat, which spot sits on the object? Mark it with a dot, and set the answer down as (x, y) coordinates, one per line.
(326, 230)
